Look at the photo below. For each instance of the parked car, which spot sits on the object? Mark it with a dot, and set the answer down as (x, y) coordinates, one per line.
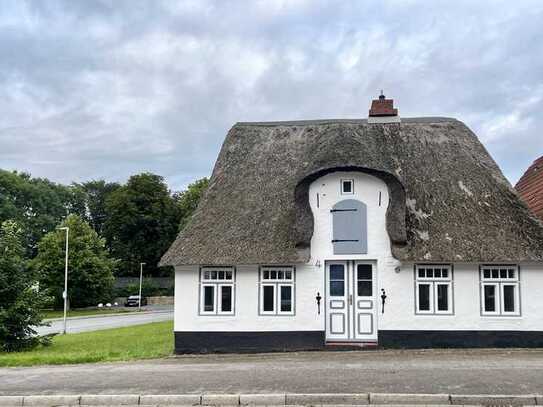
(133, 301)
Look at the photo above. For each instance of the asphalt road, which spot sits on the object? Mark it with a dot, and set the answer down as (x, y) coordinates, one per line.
(95, 323)
(432, 371)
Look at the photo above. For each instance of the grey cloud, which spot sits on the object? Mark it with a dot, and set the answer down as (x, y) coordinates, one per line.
(105, 89)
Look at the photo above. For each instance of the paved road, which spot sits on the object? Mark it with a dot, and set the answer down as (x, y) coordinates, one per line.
(95, 323)
(434, 371)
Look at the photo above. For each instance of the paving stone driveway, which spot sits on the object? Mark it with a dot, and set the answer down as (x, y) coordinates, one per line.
(487, 371)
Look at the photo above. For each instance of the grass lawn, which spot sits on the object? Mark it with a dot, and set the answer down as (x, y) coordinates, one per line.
(135, 342)
(49, 313)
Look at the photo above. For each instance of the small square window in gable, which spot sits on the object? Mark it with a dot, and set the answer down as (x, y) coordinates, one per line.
(347, 186)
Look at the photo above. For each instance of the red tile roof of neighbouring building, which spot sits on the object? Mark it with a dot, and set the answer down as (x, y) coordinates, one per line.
(530, 187)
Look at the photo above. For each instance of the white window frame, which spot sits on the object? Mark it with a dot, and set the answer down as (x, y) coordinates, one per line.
(269, 276)
(434, 282)
(499, 283)
(341, 187)
(211, 277)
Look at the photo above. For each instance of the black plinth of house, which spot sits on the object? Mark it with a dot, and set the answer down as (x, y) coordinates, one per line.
(252, 342)
(248, 342)
(460, 339)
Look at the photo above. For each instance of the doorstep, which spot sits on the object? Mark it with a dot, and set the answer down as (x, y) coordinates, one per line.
(346, 345)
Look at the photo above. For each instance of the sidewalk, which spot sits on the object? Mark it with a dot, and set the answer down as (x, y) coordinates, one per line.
(486, 371)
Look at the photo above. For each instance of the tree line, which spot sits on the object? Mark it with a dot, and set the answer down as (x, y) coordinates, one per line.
(138, 219)
(113, 228)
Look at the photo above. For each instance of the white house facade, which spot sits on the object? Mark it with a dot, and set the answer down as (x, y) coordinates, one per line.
(354, 259)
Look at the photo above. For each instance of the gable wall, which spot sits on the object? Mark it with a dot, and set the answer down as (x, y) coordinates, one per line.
(366, 189)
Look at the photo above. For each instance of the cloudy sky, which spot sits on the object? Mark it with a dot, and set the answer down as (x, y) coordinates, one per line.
(105, 89)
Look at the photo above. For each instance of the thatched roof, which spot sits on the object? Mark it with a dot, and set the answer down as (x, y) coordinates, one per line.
(449, 199)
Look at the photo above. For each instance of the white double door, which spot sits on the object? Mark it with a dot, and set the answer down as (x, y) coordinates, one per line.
(351, 301)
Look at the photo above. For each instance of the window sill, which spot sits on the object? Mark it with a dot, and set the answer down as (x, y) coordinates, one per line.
(434, 314)
(276, 315)
(202, 314)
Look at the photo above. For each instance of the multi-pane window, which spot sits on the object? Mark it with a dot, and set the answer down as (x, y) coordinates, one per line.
(433, 289)
(347, 186)
(277, 291)
(217, 291)
(500, 290)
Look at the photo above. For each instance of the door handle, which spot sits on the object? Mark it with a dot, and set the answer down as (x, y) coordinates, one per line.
(350, 299)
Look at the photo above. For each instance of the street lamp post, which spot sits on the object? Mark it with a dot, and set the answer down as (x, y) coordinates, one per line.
(65, 293)
(141, 279)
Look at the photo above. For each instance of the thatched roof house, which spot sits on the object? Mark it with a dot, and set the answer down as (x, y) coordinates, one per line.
(449, 200)
(383, 231)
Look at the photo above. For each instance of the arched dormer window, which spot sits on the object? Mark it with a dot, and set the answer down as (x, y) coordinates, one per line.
(349, 230)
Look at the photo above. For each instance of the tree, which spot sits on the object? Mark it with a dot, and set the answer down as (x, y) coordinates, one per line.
(187, 201)
(36, 204)
(96, 193)
(141, 223)
(20, 301)
(90, 275)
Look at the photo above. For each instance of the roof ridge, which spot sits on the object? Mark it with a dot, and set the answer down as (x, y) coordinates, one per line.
(429, 119)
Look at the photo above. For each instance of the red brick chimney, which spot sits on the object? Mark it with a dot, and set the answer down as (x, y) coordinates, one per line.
(382, 111)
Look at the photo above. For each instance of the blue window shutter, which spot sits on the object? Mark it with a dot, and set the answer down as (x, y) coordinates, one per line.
(349, 228)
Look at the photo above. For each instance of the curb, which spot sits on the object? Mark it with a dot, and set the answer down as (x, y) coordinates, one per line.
(485, 399)
(331, 398)
(275, 399)
(52, 400)
(171, 399)
(398, 398)
(109, 400)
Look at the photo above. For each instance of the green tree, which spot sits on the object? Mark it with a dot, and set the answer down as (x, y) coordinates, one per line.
(142, 219)
(187, 201)
(20, 301)
(90, 268)
(36, 204)
(96, 193)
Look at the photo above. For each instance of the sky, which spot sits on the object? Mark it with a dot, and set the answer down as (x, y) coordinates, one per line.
(106, 89)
